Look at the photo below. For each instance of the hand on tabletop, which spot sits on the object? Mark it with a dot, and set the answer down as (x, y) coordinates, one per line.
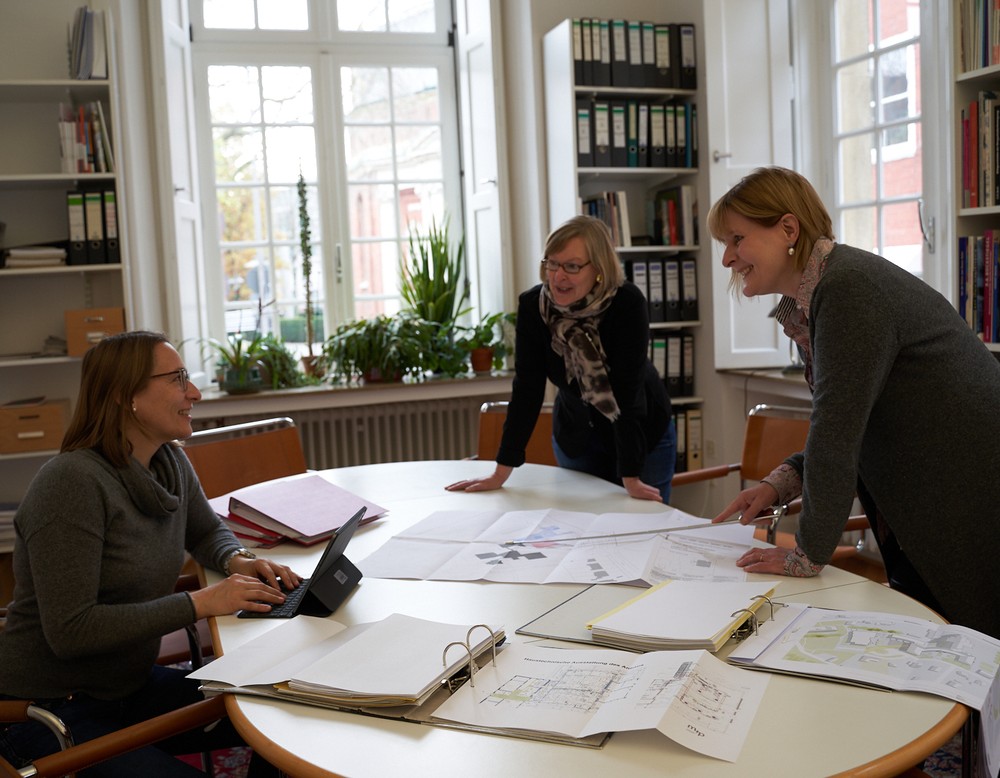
(487, 484)
(778, 561)
(641, 491)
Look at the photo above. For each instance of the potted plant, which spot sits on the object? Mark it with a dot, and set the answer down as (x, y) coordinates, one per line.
(488, 342)
(382, 348)
(238, 362)
(305, 246)
(281, 365)
(433, 281)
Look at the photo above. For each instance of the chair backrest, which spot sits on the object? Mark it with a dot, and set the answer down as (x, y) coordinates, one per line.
(539, 449)
(228, 458)
(773, 432)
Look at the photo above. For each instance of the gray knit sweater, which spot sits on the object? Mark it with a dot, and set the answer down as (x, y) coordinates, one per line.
(97, 553)
(907, 399)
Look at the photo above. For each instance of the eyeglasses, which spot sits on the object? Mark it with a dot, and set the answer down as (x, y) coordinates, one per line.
(181, 378)
(572, 268)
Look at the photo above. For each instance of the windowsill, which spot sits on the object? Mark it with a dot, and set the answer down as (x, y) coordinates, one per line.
(216, 403)
(773, 381)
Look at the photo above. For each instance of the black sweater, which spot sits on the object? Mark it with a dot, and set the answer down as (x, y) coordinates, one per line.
(638, 389)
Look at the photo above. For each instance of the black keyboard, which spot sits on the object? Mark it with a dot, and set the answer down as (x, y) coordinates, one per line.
(285, 610)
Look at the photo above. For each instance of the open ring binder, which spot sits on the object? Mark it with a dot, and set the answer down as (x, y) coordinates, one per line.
(748, 627)
(458, 679)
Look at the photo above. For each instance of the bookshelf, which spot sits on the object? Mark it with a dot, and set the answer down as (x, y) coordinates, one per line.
(579, 176)
(34, 211)
(976, 100)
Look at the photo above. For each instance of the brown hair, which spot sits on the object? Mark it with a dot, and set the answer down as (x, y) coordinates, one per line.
(113, 371)
(600, 250)
(767, 194)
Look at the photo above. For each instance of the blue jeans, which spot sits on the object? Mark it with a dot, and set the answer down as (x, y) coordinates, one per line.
(597, 460)
(166, 689)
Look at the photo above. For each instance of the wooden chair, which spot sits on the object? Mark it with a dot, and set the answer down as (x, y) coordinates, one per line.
(238, 455)
(73, 757)
(539, 448)
(774, 432)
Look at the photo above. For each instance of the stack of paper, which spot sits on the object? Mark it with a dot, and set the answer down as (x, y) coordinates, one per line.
(400, 660)
(681, 615)
(307, 509)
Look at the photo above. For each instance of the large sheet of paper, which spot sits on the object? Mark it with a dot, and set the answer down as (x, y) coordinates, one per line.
(690, 696)
(473, 546)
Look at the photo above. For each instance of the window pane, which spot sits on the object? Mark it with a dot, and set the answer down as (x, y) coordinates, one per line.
(420, 204)
(287, 95)
(289, 150)
(233, 95)
(858, 227)
(239, 153)
(365, 94)
(242, 218)
(902, 164)
(376, 273)
(898, 20)
(857, 169)
(415, 95)
(369, 153)
(229, 14)
(283, 14)
(855, 97)
(901, 236)
(241, 283)
(361, 15)
(372, 210)
(853, 28)
(411, 15)
(418, 152)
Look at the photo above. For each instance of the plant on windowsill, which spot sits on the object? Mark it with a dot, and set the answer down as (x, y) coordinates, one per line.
(280, 366)
(489, 341)
(309, 361)
(433, 283)
(238, 362)
(380, 349)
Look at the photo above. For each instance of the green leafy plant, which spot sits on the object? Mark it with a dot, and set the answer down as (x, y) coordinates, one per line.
(281, 365)
(383, 348)
(238, 361)
(494, 331)
(433, 281)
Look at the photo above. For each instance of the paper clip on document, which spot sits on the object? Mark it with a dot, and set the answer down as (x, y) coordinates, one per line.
(469, 673)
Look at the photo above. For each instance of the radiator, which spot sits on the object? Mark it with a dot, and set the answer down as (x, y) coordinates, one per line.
(388, 432)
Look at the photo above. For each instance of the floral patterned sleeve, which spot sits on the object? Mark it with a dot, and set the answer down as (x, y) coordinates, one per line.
(786, 481)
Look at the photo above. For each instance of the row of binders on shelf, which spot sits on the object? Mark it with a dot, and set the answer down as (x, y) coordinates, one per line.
(632, 133)
(93, 227)
(633, 54)
(979, 24)
(88, 43)
(670, 286)
(979, 283)
(84, 139)
(689, 439)
(671, 216)
(672, 354)
(979, 129)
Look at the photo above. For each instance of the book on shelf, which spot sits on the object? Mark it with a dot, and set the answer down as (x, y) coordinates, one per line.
(33, 256)
(681, 615)
(88, 43)
(84, 137)
(674, 215)
(305, 508)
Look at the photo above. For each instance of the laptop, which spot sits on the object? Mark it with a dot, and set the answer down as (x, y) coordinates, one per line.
(334, 578)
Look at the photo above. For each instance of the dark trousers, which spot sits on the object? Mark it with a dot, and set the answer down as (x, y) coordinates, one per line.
(166, 689)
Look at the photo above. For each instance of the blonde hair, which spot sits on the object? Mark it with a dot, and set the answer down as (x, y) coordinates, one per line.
(113, 371)
(599, 246)
(767, 194)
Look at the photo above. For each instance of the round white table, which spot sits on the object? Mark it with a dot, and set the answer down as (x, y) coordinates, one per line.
(803, 727)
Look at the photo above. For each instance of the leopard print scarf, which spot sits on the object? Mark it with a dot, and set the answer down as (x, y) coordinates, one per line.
(575, 338)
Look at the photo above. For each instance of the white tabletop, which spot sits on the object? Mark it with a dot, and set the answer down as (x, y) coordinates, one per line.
(803, 728)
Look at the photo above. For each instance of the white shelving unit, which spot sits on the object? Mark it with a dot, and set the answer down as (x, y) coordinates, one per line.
(568, 183)
(33, 210)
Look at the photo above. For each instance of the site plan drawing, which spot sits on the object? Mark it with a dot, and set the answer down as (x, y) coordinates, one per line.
(473, 546)
(690, 696)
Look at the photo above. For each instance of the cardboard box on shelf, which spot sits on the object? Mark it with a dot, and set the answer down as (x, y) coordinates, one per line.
(87, 326)
(38, 427)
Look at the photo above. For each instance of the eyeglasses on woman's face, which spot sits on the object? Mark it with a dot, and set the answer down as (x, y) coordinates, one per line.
(180, 375)
(551, 266)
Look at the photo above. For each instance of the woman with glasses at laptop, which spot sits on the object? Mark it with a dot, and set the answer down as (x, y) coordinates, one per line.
(101, 536)
(586, 329)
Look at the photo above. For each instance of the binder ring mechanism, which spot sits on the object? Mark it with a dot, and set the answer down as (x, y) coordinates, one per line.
(469, 673)
(751, 625)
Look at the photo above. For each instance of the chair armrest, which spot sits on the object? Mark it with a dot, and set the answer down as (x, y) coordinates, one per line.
(144, 733)
(704, 474)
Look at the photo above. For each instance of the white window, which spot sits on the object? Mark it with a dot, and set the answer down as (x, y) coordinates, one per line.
(877, 127)
(359, 98)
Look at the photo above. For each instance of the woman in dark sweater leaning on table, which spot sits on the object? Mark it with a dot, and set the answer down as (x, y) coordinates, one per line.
(586, 329)
(101, 536)
(906, 405)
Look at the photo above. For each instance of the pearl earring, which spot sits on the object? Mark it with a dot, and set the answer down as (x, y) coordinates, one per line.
(791, 251)
(133, 407)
